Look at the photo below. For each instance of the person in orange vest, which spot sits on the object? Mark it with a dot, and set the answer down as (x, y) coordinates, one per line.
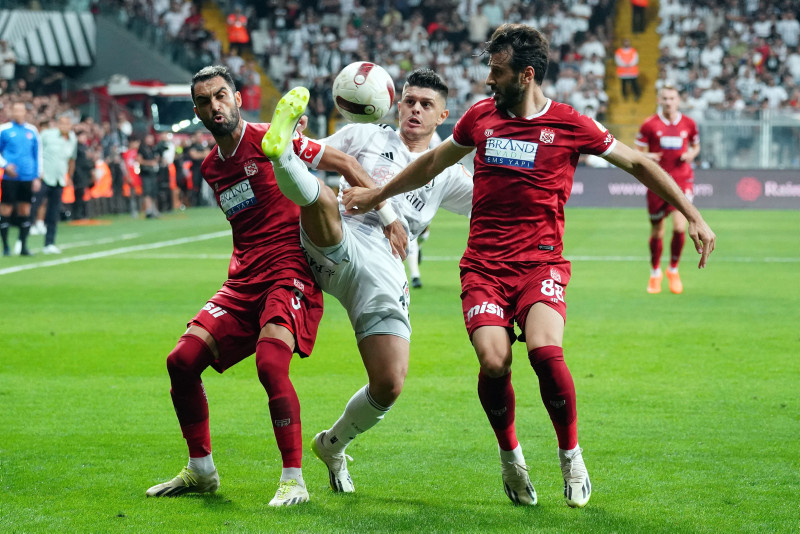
(627, 59)
(639, 13)
(237, 28)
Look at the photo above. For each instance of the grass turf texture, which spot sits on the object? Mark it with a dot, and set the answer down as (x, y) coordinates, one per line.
(688, 405)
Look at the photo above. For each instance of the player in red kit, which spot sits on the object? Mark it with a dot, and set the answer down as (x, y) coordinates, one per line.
(269, 305)
(669, 138)
(527, 147)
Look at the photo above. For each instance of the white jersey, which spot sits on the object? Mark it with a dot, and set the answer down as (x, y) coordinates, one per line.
(382, 153)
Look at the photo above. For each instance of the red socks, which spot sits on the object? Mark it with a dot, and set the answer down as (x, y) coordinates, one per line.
(678, 239)
(656, 247)
(498, 401)
(272, 362)
(558, 393)
(187, 361)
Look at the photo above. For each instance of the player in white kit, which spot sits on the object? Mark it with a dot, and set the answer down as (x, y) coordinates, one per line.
(350, 256)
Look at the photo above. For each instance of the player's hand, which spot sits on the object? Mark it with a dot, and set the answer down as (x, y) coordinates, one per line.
(655, 156)
(36, 186)
(397, 237)
(11, 170)
(302, 124)
(687, 157)
(704, 240)
(359, 199)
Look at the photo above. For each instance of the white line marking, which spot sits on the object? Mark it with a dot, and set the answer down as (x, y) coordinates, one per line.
(114, 252)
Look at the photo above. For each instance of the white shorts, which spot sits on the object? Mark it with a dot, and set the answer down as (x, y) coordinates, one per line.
(364, 275)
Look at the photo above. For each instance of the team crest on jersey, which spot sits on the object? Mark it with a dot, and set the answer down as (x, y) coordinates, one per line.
(251, 168)
(488, 132)
(547, 135)
(555, 275)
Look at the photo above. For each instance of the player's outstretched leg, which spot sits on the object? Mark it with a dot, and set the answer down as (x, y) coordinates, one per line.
(337, 465)
(293, 178)
(577, 488)
(187, 481)
(516, 482)
(287, 114)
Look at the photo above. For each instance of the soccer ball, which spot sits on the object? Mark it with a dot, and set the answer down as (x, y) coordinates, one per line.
(363, 92)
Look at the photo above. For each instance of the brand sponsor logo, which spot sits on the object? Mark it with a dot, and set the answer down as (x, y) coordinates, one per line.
(251, 168)
(280, 423)
(774, 189)
(510, 152)
(485, 307)
(299, 285)
(558, 403)
(671, 142)
(547, 135)
(416, 202)
(749, 189)
(388, 155)
(214, 310)
(488, 132)
(236, 198)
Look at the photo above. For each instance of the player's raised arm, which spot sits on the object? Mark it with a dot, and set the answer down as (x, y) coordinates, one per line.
(415, 175)
(657, 180)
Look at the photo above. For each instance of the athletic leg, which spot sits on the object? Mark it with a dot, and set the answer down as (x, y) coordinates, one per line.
(496, 394)
(544, 334)
(193, 353)
(656, 248)
(676, 247)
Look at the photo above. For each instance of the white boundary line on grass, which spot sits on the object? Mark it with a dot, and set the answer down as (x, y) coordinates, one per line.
(713, 259)
(113, 252)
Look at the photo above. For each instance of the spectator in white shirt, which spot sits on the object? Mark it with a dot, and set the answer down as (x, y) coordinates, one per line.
(789, 29)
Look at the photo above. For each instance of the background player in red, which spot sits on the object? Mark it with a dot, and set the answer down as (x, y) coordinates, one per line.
(269, 304)
(669, 138)
(513, 269)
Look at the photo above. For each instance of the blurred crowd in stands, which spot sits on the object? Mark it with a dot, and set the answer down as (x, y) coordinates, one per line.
(732, 58)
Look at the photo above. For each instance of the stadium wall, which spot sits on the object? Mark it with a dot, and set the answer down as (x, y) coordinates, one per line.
(727, 189)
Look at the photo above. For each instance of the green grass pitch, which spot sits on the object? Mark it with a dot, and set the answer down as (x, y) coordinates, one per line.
(688, 405)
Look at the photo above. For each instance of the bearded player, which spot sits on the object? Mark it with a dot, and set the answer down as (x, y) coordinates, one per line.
(269, 305)
(513, 270)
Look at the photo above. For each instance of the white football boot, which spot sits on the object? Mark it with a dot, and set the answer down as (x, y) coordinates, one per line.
(577, 488)
(187, 481)
(290, 492)
(517, 484)
(337, 465)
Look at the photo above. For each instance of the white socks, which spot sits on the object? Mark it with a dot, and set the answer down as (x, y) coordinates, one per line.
(292, 473)
(513, 456)
(412, 259)
(294, 179)
(360, 414)
(203, 465)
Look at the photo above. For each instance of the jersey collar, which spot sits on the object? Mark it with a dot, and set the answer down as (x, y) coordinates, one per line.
(678, 118)
(535, 115)
(219, 150)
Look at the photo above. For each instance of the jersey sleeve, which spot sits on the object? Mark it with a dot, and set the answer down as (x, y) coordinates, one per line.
(643, 137)
(462, 132)
(458, 197)
(591, 137)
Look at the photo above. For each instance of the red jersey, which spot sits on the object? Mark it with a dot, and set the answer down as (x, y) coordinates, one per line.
(670, 139)
(523, 177)
(265, 224)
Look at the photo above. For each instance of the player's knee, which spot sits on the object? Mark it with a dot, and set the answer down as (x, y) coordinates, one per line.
(494, 365)
(386, 389)
(191, 355)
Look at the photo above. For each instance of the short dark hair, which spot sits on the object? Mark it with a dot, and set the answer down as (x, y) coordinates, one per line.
(526, 45)
(427, 79)
(213, 71)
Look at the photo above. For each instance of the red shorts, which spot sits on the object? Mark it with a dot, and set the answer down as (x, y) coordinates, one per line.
(238, 312)
(658, 208)
(495, 293)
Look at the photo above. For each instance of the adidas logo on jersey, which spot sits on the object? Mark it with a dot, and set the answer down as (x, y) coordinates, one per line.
(388, 155)
(486, 307)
